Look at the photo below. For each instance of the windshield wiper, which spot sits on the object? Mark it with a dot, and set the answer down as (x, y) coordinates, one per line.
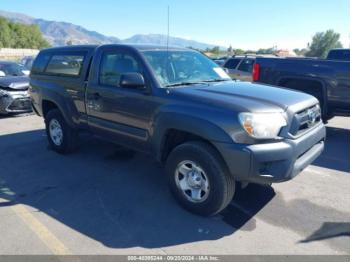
(184, 84)
(215, 80)
(197, 82)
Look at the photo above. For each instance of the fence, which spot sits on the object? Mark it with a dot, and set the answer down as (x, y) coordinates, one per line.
(15, 54)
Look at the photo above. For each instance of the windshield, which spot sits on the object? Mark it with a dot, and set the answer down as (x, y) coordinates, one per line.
(183, 68)
(28, 62)
(12, 69)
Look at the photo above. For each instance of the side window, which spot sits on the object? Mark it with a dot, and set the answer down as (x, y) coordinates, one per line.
(339, 55)
(232, 63)
(115, 64)
(67, 65)
(40, 63)
(247, 65)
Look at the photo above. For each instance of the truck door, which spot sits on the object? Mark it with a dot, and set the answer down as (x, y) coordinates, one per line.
(118, 113)
(341, 94)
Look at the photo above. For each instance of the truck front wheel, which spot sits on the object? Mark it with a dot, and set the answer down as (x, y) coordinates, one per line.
(199, 179)
(62, 138)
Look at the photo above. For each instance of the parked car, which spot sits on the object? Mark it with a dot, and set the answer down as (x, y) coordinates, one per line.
(326, 79)
(220, 62)
(14, 97)
(177, 105)
(9, 68)
(241, 67)
(27, 62)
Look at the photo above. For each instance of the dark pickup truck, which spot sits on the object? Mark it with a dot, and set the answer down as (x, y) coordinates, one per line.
(326, 79)
(211, 133)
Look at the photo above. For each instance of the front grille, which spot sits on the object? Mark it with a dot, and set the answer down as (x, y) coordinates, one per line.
(20, 104)
(305, 120)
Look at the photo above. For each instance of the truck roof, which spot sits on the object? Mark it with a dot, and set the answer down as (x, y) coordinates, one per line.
(340, 49)
(140, 47)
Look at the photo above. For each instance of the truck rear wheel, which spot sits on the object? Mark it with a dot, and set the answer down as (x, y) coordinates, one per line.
(62, 138)
(199, 179)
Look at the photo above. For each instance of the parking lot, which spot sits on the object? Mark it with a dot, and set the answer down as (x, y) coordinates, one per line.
(107, 200)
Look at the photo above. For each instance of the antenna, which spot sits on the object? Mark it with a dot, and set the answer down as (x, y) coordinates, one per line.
(167, 44)
(168, 36)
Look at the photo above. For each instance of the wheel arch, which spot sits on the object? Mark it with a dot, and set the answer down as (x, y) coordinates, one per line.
(51, 101)
(304, 84)
(174, 129)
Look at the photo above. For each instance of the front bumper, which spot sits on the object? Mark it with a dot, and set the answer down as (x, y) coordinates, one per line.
(273, 162)
(15, 102)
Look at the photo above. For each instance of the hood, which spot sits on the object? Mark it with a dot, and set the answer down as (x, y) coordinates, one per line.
(14, 82)
(246, 97)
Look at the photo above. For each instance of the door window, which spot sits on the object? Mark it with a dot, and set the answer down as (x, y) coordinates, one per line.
(114, 64)
(247, 65)
(232, 63)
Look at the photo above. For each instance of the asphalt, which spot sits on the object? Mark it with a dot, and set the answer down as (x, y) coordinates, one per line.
(104, 199)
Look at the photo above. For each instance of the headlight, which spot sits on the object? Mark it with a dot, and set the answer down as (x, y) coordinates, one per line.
(19, 85)
(262, 125)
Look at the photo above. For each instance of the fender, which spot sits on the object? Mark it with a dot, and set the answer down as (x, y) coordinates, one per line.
(59, 100)
(186, 123)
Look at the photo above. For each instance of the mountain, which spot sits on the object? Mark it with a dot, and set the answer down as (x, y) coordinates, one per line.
(59, 33)
(159, 39)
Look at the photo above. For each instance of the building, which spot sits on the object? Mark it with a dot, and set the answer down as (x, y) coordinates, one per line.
(16, 54)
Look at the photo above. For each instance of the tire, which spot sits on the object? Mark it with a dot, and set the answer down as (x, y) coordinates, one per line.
(221, 185)
(55, 122)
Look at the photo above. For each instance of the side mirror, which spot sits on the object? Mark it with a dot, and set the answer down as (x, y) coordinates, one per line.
(132, 80)
(2, 74)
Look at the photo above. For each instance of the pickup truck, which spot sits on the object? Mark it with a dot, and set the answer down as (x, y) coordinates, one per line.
(14, 84)
(326, 79)
(211, 133)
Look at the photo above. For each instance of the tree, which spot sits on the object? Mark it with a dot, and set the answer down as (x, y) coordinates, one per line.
(5, 33)
(69, 42)
(322, 42)
(250, 52)
(215, 50)
(16, 35)
(239, 52)
(267, 51)
(300, 52)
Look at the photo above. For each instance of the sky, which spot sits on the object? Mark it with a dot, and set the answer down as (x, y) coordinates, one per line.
(246, 24)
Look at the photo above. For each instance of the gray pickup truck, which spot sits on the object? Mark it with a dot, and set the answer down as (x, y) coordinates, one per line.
(210, 132)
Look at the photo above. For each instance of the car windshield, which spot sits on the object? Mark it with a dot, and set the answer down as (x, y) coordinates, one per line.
(28, 62)
(180, 68)
(12, 69)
